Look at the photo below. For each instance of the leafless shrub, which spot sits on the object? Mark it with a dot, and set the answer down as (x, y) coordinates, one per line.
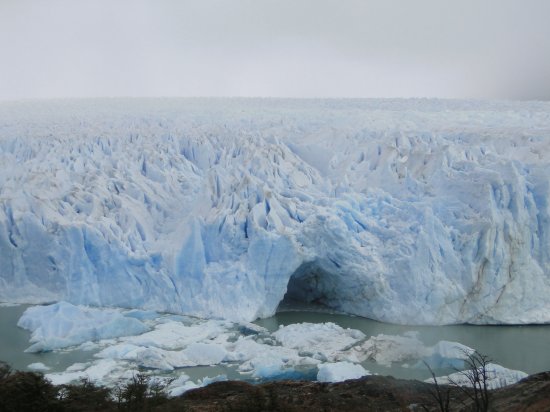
(441, 395)
(477, 376)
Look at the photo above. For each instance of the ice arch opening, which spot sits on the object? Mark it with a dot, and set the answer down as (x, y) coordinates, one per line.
(309, 285)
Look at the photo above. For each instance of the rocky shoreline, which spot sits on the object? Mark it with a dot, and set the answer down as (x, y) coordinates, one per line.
(372, 393)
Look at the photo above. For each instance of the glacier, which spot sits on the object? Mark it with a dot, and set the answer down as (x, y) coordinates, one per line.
(405, 211)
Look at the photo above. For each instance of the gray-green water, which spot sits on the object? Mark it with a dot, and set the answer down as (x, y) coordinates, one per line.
(525, 348)
(14, 340)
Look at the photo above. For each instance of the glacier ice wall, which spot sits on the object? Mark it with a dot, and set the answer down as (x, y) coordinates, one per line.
(406, 211)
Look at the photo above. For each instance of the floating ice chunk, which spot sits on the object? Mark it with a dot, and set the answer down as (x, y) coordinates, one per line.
(141, 314)
(208, 380)
(99, 372)
(268, 370)
(386, 349)
(151, 358)
(247, 328)
(262, 359)
(119, 351)
(182, 384)
(64, 378)
(79, 366)
(446, 354)
(497, 377)
(147, 357)
(340, 371)
(452, 350)
(181, 379)
(172, 344)
(277, 372)
(181, 389)
(205, 353)
(38, 366)
(62, 325)
(318, 340)
(245, 348)
(89, 345)
(156, 358)
(272, 358)
(176, 335)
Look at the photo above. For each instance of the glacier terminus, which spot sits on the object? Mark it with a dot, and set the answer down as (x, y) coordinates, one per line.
(405, 211)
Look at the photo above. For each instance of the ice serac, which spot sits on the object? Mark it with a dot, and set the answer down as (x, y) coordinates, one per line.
(406, 211)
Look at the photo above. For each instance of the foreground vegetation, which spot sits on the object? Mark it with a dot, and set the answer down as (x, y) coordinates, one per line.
(29, 391)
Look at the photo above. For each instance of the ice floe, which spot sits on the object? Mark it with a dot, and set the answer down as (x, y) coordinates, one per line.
(38, 366)
(497, 377)
(170, 346)
(62, 325)
(340, 371)
(323, 341)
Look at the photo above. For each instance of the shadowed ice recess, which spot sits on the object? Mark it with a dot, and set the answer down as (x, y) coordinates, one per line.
(404, 211)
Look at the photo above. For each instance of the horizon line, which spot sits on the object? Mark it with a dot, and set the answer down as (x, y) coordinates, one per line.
(259, 97)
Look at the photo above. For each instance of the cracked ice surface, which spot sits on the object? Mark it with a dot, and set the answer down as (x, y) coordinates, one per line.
(406, 211)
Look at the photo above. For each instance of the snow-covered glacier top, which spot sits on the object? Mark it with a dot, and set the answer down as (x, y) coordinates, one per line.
(406, 211)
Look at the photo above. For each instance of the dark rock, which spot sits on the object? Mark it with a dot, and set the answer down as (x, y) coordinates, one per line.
(371, 393)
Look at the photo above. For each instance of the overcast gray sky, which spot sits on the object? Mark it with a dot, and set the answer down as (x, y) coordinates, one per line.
(294, 48)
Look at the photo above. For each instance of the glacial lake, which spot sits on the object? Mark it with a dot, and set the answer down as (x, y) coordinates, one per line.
(524, 348)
